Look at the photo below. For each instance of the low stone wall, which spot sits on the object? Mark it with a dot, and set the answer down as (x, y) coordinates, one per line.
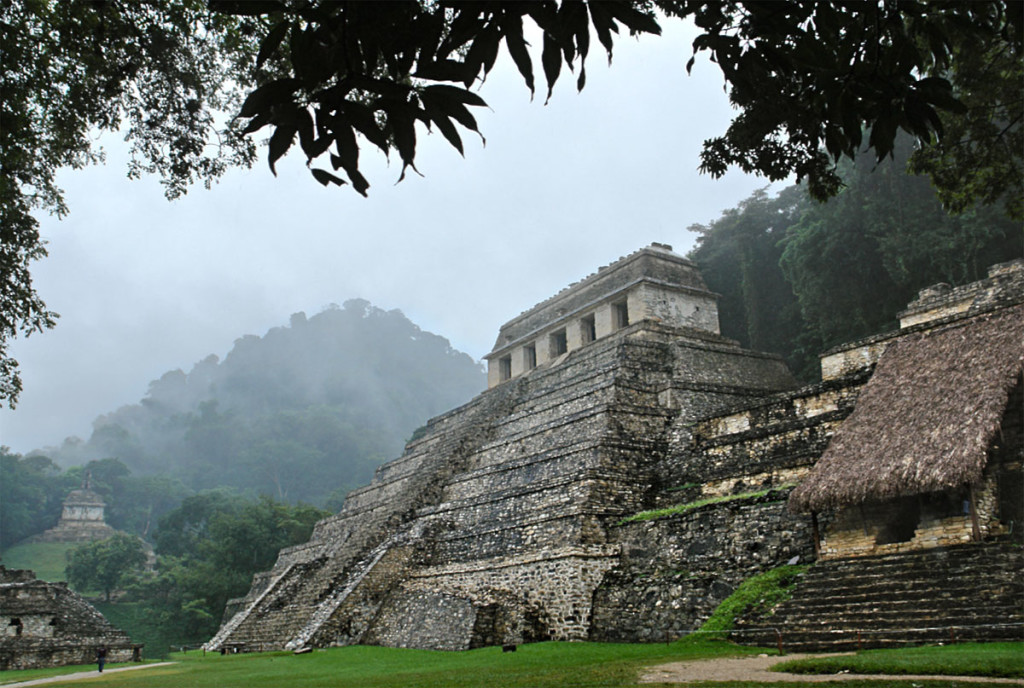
(553, 587)
(425, 619)
(42, 654)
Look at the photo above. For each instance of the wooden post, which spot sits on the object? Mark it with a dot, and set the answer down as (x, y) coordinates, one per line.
(816, 535)
(975, 528)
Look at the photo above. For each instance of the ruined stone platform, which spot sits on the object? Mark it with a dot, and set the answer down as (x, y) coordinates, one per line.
(46, 625)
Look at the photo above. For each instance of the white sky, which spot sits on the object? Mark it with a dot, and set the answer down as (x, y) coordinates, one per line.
(144, 286)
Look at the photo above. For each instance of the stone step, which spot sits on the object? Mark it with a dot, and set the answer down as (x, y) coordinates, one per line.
(1009, 608)
(950, 557)
(919, 567)
(932, 605)
(905, 618)
(905, 578)
(965, 595)
(987, 579)
(823, 576)
(895, 599)
(837, 596)
(910, 560)
(973, 553)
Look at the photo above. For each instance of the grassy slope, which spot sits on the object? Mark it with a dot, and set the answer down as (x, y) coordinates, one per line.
(542, 665)
(134, 620)
(47, 559)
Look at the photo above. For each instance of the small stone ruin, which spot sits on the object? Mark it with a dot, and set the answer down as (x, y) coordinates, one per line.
(46, 625)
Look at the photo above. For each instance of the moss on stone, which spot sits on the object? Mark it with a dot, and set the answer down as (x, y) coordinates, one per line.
(757, 595)
(690, 506)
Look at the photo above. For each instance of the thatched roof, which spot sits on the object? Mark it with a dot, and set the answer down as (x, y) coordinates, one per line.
(925, 419)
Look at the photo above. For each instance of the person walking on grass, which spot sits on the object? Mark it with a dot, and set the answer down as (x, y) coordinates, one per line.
(101, 657)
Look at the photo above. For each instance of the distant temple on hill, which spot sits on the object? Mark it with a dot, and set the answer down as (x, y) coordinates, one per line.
(81, 519)
(628, 467)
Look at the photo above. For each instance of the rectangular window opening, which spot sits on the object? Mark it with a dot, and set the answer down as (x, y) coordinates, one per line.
(530, 356)
(559, 344)
(504, 368)
(620, 315)
(588, 329)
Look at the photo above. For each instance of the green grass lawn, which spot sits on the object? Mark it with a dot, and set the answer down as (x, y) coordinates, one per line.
(542, 665)
(47, 559)
(29, 674)
(135, 620)
(966, 659)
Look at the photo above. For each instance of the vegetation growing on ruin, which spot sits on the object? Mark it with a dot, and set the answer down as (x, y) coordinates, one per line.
(757, 595)
(696, 504)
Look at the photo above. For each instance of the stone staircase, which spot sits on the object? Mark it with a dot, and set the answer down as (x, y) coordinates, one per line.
(958, 594)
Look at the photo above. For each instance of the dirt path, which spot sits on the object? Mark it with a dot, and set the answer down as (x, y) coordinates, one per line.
(756, 669)
(80, 675)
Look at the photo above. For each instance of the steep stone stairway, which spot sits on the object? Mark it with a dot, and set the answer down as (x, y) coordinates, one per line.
(968, 593)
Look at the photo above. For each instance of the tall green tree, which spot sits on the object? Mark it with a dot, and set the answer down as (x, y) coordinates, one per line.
(797, 276)
(978, 158)
(739, 255)
(158, 70)
(106, 565)
(857, 260)
(32, 489)
(805, 77)
(208, 550)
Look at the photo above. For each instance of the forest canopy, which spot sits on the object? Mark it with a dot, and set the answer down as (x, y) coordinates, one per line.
(797, 276)
(813, 83)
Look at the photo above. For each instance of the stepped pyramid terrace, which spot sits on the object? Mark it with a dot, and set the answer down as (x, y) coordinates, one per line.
(568, 501)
